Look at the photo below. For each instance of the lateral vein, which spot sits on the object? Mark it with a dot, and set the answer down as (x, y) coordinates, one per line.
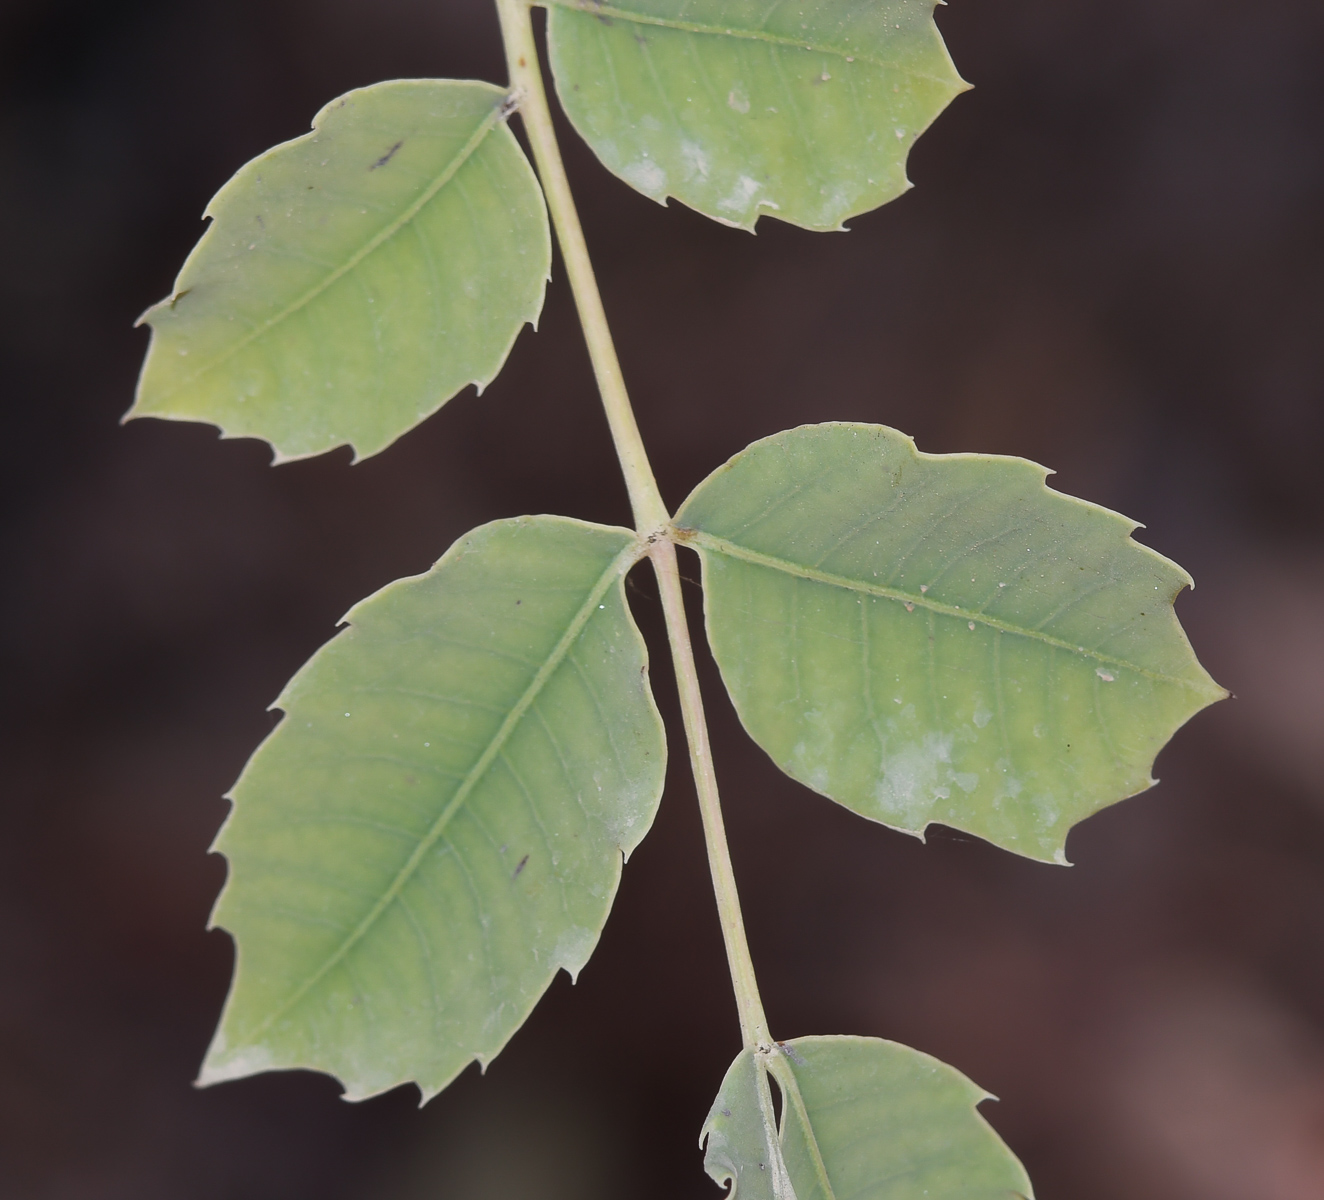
(619, 565)
(494, 118)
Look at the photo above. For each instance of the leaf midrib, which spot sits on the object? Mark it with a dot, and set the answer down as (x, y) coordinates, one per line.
(592, 8)
(707, 541)
(784, 1073)
(383, 235)
(615, 570)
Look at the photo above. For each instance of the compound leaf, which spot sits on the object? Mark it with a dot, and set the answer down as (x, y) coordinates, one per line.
(354, 279)
(437, 824)
(744, 107)
(940, 638)
(862, 1119)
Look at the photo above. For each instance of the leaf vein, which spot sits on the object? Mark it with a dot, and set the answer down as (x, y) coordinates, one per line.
(614, 571)
(592, 7)
(718, 545)
(493, 119)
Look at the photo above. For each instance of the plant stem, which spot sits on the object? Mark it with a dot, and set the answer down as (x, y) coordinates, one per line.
(652, 519)
(753, 1024)
(650, 513)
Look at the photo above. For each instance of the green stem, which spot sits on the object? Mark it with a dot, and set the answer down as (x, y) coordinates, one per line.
(652, 519)
(753, 1024)
(650, 513)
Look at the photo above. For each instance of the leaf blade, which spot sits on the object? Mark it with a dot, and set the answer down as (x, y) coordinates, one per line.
(404, 886)
(940, 638)
(739, 1136)
(861, 1117)
(740, 110)
(355, 279)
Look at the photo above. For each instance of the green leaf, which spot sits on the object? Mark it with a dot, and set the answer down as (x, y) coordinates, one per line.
(437, 825)
(741, 1135)
(354, 279)
(862, 1119)
(940, 638)
(743, 107)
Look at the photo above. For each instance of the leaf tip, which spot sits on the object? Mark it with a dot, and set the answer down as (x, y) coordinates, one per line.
(223, 1064)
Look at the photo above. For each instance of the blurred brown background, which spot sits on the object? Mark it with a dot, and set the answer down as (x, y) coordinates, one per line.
(1113, 262)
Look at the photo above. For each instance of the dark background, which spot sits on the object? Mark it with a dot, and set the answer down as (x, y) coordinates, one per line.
(1113, 262)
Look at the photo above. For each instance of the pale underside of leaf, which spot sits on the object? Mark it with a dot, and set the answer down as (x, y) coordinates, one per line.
(739, 1138)
(355, 279)
(437, 825)
(940, 638)
(804, 112)
(862, 1119)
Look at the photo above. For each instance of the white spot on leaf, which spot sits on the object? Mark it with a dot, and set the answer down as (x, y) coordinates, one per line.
(696, 161)
(737, 200)
(646, 175)
(914, 779)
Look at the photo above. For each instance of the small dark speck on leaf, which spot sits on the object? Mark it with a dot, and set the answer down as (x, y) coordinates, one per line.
(519, 601)
(523, 862)
(261, 224)
(726, 1112)
(385, 158)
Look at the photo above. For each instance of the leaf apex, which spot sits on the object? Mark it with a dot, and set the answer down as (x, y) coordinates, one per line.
(222, 1064)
